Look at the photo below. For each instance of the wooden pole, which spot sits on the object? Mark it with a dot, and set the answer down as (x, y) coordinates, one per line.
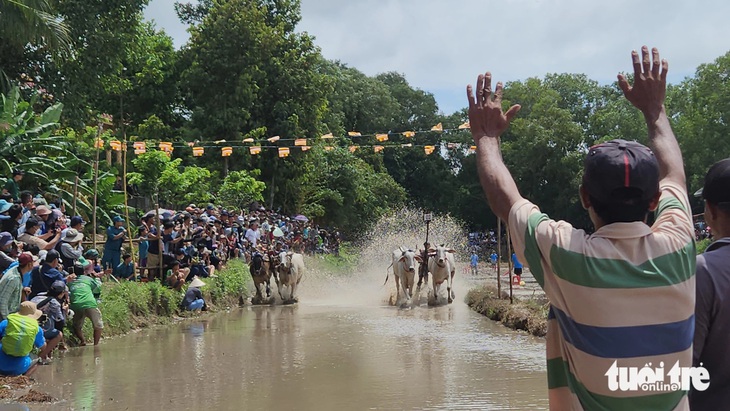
(126, 204)
(76, 194)
(499, 258)
(509, 251)
(161, 245)
(96, 184)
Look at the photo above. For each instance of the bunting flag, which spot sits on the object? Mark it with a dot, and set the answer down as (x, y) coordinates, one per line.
(354, 134)
(283, 152)
(451, 145)
(300, 142)
(328, 148)
(198, 151)
(407, 145)
(464, 126)
(220, 141)
(99, 143)
(140, 147)
(191, 144)
(328, 135)
(116, 145)
(273, 139)
(254, 150)
(353, 148)
(409, 134)
(438, 127)
(248, 140)
(381, 137)
(166, 147)
(473, 148)
(305, 148)
(226, 151)
(378, 148)
(429, 149)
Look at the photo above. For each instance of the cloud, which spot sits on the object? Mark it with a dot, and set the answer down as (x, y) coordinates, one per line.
(441, 46)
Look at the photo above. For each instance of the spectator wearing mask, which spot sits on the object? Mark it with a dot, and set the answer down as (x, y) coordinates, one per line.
(85, 291)
(29, 236)
(11, 285)
(11, 185)
(113, 245)
(20, 333)
(55, 307)
(6, 247)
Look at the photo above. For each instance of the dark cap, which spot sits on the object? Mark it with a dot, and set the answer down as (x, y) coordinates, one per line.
(76, 220)
(621, 170)
(717, 183)
(52, 256)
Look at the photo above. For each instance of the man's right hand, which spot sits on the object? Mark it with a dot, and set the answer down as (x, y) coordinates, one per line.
(650, 83)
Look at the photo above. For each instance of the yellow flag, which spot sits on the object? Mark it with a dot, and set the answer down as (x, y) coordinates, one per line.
(328, 148)
(99, 143)
(248, 140)
(464, 126)
(255, 150)
(273, 139)
(438, 127)
(226, 151)
(353, 148)
(409, 134)
(473, 148)
(166, 147)
(198, 151)
(116, 145)
(354, 134)
(328, 135)
(283, 151)
(300, 142)
(378, 148)
(140, 147)
(429, 149)
(381, 137)
(305, 148)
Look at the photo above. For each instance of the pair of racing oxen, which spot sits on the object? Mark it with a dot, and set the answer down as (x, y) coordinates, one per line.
(287, 269)
(441, 265)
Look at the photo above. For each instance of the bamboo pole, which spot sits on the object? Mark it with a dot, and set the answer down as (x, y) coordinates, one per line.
(96, 182)
(76, 193)
(499, 259)
(126, 204)
(161, 245)
(509, 252)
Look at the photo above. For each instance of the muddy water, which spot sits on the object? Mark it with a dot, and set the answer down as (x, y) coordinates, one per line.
(309, 357)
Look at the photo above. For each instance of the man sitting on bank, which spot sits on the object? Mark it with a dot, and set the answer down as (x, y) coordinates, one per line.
(20, 332)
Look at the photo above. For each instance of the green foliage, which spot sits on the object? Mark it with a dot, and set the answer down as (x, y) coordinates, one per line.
(229, 285)
(150, 167)
(33, 22)
(178, 189)
(702, 245)
(240, 188)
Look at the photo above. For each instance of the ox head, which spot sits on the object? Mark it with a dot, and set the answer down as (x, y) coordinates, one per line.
(284, 263)
(439, 253)
(407, 258)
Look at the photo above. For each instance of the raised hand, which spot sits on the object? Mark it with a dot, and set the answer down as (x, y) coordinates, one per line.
(650, 83)
(486, 118)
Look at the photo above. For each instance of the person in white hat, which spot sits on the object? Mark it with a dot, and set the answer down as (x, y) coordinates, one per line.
(20, 332)
(193, 299)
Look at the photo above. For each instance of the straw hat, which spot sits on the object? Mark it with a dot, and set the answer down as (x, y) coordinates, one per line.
(197, 282)
(29, 309)
(72, 236)
(42, 210)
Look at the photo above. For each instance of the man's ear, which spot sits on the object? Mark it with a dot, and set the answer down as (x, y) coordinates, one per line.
(654, 203)
(585, 199)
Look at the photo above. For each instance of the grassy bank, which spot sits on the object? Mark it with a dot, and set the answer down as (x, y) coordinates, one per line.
(525, 314)
(129, 305)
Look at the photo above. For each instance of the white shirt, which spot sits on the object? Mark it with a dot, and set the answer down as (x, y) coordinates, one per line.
(252, 236)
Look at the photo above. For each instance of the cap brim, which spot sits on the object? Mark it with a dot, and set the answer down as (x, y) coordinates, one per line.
(36, 315)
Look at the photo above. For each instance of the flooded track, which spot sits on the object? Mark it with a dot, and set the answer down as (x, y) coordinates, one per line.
(309, 357)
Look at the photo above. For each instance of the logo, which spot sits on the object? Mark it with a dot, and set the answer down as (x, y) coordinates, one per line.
(648, 379)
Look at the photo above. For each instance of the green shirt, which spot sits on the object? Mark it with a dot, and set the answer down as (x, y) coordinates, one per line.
(11, 286)
(12, 186)
(84, 292)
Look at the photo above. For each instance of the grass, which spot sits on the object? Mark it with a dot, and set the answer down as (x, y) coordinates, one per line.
(345, 262)
(702, 245)
(529, 315)
(131, 305)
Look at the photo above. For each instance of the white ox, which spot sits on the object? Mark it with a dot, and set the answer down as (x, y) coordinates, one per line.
(291, 269)
(442, 267)
(404, 271)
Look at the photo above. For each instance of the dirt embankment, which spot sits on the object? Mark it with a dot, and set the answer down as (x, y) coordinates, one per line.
(528, 314)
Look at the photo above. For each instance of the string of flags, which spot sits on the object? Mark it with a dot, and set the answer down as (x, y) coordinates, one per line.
(140, 147)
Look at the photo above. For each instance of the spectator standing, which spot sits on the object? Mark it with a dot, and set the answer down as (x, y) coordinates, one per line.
(26, 199)
(11, 185)
(70, 249)
(113, 246)
(516, 265)
(44, 216)
(11, 285)
(253, 234)
(20, 332)
(712, 313)
(143, 247)
(46, 274)
(474, 263)
(77, 223)
(493, 260)
(623, 296)
(84, 293)
(6, 246)
(32, 227)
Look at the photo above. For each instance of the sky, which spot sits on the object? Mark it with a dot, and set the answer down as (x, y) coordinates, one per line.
(442, 45)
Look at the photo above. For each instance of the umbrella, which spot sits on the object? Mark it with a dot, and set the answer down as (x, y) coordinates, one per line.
(278, 232)
(163, 213)
(301, 218)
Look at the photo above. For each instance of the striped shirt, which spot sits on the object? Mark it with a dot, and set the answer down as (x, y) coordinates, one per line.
(624, 294)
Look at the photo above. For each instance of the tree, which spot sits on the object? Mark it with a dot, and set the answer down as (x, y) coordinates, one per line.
(177, 189)
(239, 189)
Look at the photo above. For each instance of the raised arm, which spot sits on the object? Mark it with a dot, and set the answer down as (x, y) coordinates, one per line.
(647, 94)
(487, 122)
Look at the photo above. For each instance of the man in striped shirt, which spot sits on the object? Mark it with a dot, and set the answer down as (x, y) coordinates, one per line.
(623, 296)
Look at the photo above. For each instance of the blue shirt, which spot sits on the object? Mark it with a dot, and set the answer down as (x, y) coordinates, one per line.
(144, 246)
(515, 261)
(474, 259)
(112, 244)
(10, 365)
(493, 258)
(123, 270)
